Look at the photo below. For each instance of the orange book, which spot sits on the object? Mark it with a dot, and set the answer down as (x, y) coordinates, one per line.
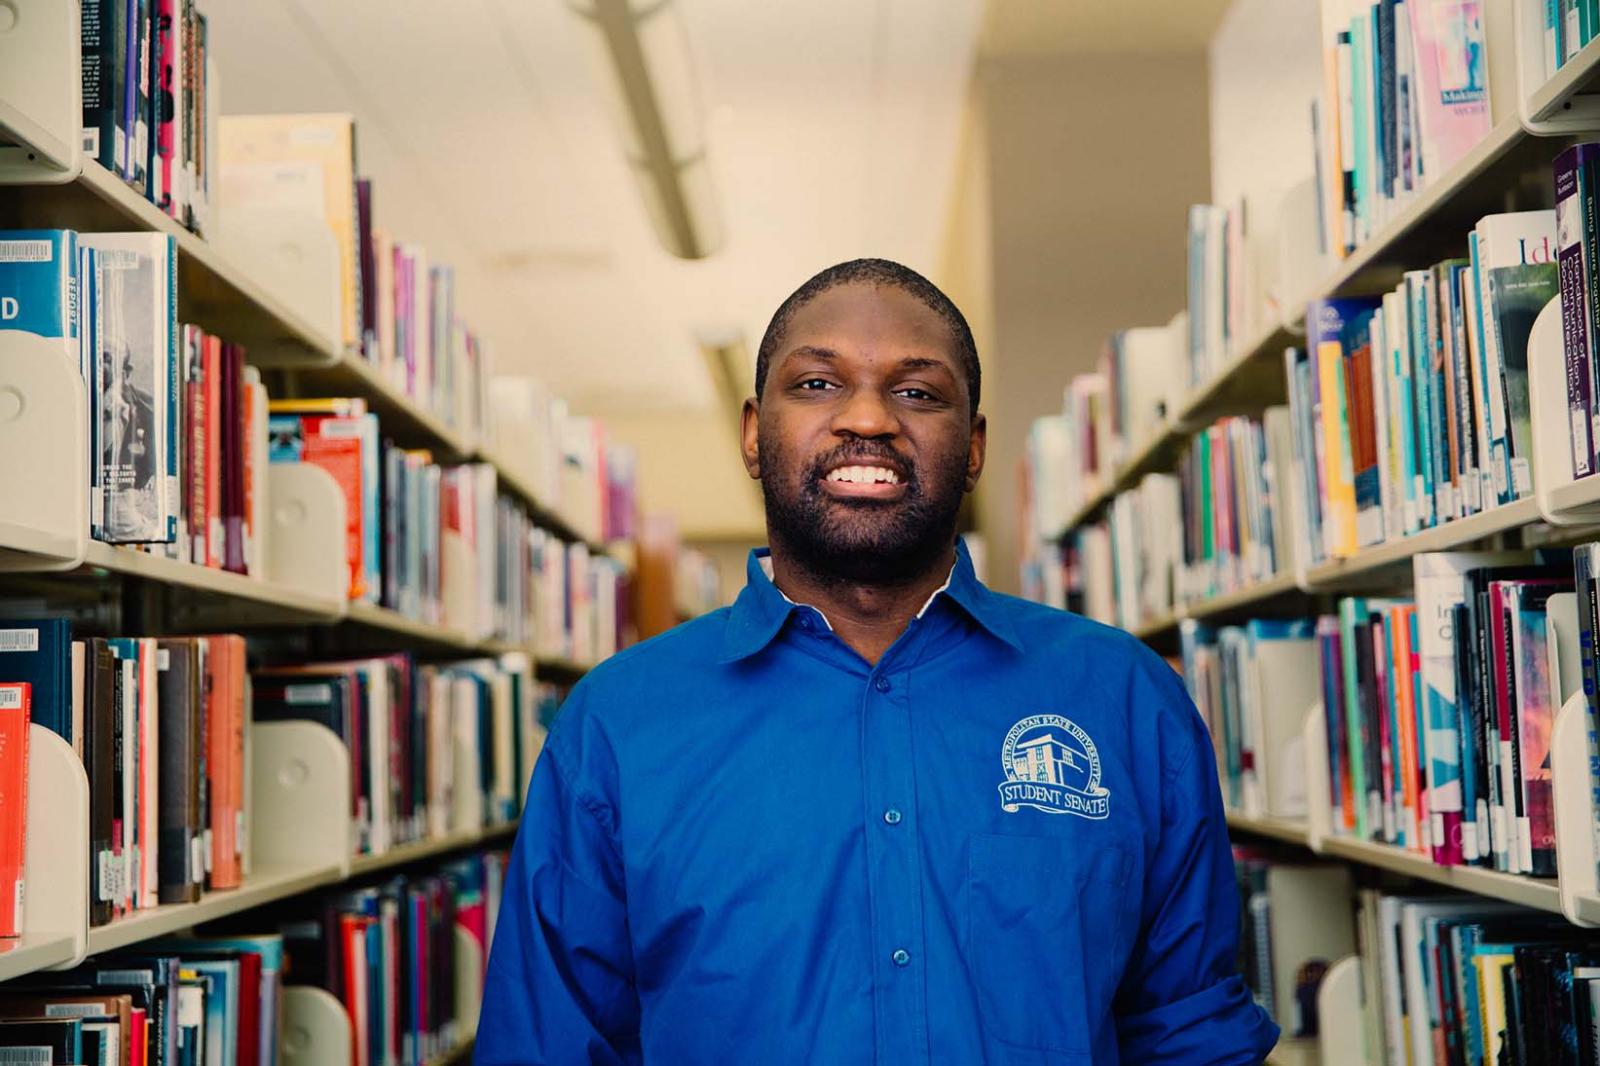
(16, 699)
(225, 711)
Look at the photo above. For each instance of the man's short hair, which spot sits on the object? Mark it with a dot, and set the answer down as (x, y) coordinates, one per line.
(873, 272)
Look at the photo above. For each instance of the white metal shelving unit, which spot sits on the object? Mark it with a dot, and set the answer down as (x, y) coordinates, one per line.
(269, 283)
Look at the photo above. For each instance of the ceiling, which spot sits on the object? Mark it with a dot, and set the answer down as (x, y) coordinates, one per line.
(1058, 27)
(831, 135)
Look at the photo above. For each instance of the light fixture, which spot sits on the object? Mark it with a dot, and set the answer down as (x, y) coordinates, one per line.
(729, 364)
(651, 87)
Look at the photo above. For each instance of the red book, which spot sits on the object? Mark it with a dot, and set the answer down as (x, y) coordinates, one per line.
(16, 700)
(249, 1009)
(197, 467)
(225, 711)
(139, 1039)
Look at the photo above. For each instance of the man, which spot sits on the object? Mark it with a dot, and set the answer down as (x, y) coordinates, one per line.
(873, 812)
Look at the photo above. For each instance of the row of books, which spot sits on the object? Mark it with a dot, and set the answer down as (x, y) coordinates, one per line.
(176, 423)
(1105, 416)
(405, 957)
(1438, 709)
(1218, 525)
(1405, 95)
(570, 464)
(1450, 979)
(162, 728)
(150, 101)
(396, 307)
(164, 725)
(1568, 26)
(1412, 410)
(1219, 303)
(1440, 743)
(172, 1002)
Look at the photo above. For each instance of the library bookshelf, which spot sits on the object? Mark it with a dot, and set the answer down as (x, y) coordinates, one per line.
(1514, 157)
(274, 290)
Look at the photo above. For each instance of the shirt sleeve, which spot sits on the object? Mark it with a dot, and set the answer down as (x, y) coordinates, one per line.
(1181, 999)
(559, 987)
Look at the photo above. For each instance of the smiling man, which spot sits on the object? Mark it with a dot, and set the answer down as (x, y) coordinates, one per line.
(874, 812)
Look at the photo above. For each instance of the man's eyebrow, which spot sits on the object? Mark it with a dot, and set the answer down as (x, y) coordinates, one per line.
(812, 351)
(921, 362)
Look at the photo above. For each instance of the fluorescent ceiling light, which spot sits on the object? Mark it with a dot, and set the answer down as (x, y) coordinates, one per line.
(651, 88)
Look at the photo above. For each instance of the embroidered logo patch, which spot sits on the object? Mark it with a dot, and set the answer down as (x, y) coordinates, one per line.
(1052, 766)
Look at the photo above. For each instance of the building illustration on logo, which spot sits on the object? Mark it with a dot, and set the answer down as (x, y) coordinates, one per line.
(1052, 765)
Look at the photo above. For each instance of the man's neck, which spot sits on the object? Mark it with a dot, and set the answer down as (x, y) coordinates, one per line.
(867, 617)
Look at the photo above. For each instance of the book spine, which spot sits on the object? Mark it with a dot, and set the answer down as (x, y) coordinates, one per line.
(1575, 307)
(15, 709)
(171, 387)
(1586, 571)
(97, 28)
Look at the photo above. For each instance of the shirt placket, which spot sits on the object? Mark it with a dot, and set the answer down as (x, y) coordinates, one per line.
(893, 863)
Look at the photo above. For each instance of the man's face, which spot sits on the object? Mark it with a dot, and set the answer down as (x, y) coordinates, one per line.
(863, 438)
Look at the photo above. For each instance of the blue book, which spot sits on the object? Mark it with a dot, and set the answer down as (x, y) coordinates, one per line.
(1422, 394)
(39, 651)
(39, 285)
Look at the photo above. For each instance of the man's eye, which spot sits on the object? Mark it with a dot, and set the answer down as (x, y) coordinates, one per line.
(915, 394)
(815, 384)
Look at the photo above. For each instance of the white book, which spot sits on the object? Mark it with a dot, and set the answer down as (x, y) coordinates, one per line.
(136, 386)
(1283, 683)
(1562, 647)
(466, 810)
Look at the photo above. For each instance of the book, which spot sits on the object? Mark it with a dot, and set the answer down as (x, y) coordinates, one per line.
(1452, 88)
(182, 703)
(39, 285)
(137, 387)
(39, 652)
(304, 163)
(1576, 265)
(225, 720)
(15, 700)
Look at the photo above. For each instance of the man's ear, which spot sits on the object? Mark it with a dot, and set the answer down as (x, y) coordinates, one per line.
(750, 437)
(977, 442)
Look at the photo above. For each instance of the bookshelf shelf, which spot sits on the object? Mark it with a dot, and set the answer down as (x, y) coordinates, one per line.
(1290, 830)
(1215, 606)
(1513, 888)
(1366, 562)
(1438, 217)
(216, 294)
(35, 951)
(118, 559)
(258, 888)
(392, 621)
(1161, 623)
(555, 666)
(462, 1052)
(1238, 385)
(1578, 76)
(416, 851)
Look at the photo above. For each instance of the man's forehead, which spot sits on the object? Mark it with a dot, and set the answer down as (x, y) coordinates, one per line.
(883, 318)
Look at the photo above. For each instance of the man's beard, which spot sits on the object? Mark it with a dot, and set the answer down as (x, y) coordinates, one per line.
(864, 541)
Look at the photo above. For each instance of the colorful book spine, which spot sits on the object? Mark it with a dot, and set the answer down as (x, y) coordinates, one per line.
(15, 709)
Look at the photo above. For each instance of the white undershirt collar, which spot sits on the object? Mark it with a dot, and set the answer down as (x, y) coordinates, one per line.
(765, 562)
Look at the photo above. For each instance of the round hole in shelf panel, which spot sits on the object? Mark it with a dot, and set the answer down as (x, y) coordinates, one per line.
(8, 16)
(294, 773)
(12, 402)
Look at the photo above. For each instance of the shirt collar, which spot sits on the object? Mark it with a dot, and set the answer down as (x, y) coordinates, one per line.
(762, 608)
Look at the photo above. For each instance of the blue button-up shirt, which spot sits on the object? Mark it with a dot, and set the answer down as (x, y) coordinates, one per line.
(1002, 844)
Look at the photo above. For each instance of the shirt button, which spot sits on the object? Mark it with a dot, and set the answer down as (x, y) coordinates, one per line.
(804, 622)
(882, 684)
(892, 816)
(901, 957)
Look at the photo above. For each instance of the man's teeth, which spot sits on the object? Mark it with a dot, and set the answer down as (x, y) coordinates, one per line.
(864, 475)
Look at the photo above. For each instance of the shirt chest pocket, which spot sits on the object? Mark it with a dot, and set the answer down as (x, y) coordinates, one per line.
(1047, 930)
